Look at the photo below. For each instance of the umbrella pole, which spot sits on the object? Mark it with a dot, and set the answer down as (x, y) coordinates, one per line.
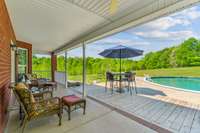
(120, 67)
(120, 77)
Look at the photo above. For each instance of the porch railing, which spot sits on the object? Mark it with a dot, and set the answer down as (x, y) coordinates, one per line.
(60, 77)
(42, 73)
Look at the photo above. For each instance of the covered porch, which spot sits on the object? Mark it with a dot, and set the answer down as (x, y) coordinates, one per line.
(153, 109)
(52, 28)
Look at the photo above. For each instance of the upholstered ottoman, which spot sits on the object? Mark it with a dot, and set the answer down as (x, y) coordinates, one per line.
(72, 102)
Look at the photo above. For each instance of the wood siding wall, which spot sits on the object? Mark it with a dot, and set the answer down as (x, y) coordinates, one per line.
(53, 65)
(6, 34)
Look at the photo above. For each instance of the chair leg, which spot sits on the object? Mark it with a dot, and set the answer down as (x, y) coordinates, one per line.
(24, 123)
(135, 87)
(20, 112)
(22, 120)
(84, 108)
(112, 86)
(69, 112)
(131, 88)
(128, 86)
(106, 86)
(60, 117)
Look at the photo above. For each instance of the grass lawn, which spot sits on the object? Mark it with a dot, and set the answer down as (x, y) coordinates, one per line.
(186, 71)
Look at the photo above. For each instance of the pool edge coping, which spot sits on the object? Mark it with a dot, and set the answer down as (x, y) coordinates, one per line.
(170, 87)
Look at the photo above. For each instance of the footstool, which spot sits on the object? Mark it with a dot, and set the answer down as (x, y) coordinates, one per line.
(72, 102)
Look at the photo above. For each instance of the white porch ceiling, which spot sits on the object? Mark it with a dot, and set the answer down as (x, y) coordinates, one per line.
(59, 24)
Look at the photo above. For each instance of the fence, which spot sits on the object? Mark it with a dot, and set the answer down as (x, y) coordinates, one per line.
(60, 77)
(43, 74)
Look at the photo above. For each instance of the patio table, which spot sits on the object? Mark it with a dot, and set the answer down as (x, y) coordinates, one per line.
(42, 84)
(119, 77)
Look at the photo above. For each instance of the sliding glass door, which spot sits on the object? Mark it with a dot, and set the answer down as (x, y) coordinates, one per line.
(22, 65)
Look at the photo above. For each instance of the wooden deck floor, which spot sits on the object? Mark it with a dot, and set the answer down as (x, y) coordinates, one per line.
(174, 115)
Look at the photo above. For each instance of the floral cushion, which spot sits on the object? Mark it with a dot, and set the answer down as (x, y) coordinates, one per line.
(21, 86)
(23, 91)
(27, 98)
(24, 95)
(44, 108)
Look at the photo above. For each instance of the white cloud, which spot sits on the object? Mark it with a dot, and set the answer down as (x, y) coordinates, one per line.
(191, 14)
(183, 18)
(164, 35)
(168, 28)
(166, 23)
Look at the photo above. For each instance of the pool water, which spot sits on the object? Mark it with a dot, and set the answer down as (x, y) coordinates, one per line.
(184, 83)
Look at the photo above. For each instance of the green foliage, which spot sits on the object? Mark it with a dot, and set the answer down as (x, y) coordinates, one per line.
(41, 64)
(186, 54)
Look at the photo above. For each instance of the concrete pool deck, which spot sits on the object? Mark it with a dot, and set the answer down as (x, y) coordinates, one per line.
(186, 96)
(152, 90)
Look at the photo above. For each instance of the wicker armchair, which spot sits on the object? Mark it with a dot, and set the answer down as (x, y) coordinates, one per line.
(34, 109)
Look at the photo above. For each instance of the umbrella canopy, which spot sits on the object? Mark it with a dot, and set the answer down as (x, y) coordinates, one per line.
(121, 52)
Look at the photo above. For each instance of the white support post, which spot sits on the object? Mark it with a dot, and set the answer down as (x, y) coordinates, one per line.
(66, 85)
(84, 72)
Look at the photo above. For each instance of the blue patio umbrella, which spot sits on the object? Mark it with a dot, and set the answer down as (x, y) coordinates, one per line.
(120, 52)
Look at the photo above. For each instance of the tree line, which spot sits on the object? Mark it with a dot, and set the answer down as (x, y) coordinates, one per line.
(184, 55)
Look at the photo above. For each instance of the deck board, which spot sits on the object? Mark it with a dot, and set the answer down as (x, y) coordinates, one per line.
(173, 116)
(177, 123)
(164, 108)
(196, 123)
(133, 104)
(139, 105)
(166, 114)
(144, 109)
(151, 114)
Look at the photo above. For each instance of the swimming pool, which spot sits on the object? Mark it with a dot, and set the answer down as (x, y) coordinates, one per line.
(183, 83)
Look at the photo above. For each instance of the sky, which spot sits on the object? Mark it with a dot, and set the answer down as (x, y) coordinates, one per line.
(153, 36)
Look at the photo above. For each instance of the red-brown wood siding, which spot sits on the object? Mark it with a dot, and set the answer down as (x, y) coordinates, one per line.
(6, 34)
(53, 65)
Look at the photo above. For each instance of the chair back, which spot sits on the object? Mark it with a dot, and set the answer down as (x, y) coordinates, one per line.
(109, 76)
(20, 100)
(130, 76)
